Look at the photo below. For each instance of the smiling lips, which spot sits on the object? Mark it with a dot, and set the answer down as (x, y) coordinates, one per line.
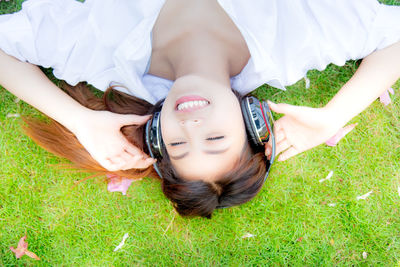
(191, 103)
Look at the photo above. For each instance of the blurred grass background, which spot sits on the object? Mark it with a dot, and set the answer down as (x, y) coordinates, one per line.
(291, 220)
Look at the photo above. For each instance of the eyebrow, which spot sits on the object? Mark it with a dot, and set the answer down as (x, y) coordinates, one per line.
(211, 152)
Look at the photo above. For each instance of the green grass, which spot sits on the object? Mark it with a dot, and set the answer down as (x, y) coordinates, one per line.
(292, 223)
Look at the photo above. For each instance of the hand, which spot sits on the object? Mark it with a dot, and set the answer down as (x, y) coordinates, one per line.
(100, 133)
(300, 129)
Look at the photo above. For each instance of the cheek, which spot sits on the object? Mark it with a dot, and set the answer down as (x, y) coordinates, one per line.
(230, 118)
(169, 123)
(165, 124)
(168, 130)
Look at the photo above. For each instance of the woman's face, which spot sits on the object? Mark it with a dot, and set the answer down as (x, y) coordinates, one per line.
(202, 128)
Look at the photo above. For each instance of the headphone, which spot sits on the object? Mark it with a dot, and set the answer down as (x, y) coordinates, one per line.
(258, 121)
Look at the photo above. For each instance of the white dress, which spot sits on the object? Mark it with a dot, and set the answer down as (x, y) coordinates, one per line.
(109, 41)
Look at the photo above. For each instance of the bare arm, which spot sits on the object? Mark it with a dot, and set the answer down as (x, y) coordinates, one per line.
(27, 82)
(376, 74)
(302, 128)
(98, 131)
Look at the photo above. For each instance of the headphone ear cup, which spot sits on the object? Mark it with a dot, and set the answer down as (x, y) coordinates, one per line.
(248, 121)
(153, 136)
(153, 139)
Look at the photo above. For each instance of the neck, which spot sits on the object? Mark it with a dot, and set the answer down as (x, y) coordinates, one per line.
(194, 58)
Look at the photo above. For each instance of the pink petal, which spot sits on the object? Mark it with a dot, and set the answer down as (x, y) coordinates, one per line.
(385, 97)
(22, 244)
(340, 134)
(18, 253)
(21, 248)
(118, 184)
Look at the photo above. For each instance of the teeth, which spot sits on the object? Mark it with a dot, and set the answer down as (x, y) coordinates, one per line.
(191, 104)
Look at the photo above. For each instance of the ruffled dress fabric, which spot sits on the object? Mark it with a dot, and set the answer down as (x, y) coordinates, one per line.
(109, 42)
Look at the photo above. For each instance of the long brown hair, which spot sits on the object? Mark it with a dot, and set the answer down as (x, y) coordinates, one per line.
(60, 141)
(190, 198)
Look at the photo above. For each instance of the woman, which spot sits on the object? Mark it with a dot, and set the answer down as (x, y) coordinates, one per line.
(194, 52)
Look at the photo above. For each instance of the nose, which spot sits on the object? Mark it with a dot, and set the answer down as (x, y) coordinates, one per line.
(192, 123)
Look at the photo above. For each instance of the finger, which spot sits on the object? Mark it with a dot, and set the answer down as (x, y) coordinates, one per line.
(140, 163)
(279, 135)
(132, 119)
(114, 164)
(116, 160)
(129, 161)
(132, 162)
(282, 108)
(268, 148)
(134, 151)
(268, 151)
(278, 126)
(288, 154)
(128, 147)
(282, 146)
(128, 157)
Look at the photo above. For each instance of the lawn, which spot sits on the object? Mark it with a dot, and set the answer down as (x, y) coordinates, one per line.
(295, 220)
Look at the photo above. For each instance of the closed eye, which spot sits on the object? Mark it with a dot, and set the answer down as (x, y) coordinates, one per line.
(215, 138)
(177, 143)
